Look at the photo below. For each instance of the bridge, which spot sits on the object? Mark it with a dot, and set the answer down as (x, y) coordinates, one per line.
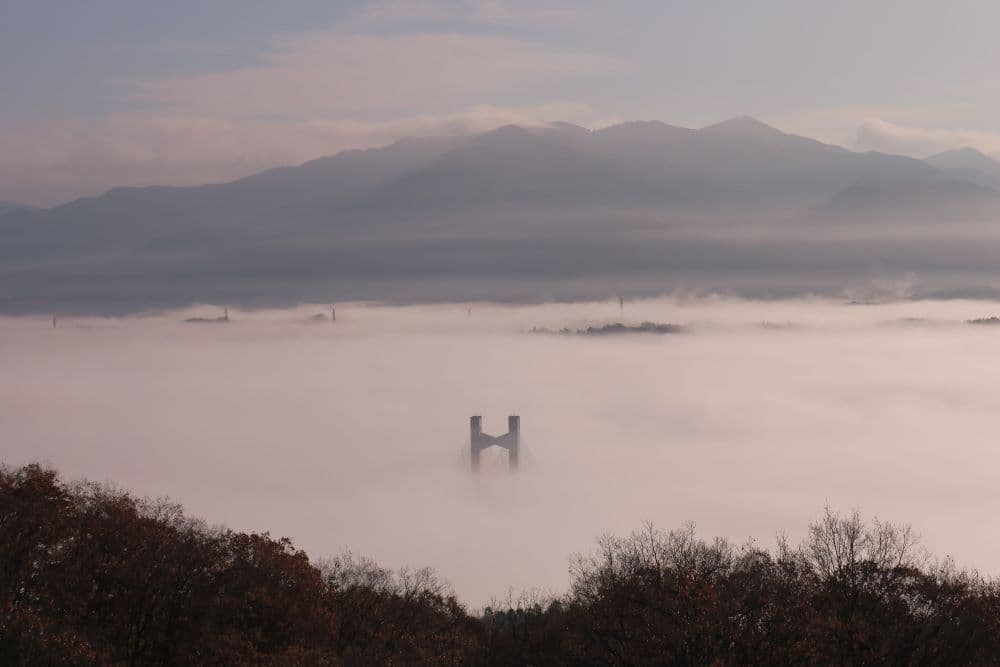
(511, 440)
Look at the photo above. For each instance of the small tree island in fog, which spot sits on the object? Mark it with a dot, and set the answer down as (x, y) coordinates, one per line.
(617, 328)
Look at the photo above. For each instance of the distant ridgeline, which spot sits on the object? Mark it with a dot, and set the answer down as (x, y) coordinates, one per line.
(515, 214)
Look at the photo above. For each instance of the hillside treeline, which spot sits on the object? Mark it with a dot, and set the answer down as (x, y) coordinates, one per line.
(90, 574)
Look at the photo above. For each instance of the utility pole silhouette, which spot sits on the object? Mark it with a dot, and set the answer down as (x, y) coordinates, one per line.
(333, 314)
(225, 314)
(53, 321)
(621, 304)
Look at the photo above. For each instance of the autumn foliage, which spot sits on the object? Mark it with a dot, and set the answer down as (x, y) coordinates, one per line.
(93, 575)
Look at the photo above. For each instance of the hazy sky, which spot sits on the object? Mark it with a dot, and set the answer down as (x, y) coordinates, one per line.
(116, 92)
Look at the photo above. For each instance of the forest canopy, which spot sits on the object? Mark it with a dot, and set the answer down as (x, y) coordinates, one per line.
(91, 574)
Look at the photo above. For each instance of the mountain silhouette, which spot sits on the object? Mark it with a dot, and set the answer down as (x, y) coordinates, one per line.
(561, 200)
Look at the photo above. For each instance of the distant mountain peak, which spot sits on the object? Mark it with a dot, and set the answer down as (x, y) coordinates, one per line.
(565, 132)
(969, 162)
(565, 126)
(506, 137)
(744, 127)
(654, 125)
(643, 131)
(963, 158)
(966, 151)
(507, 132)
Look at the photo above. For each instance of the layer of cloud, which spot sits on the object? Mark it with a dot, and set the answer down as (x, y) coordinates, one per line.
(880, 135)
(353, 434)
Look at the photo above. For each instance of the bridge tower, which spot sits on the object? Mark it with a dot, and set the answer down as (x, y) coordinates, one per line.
(511, 440)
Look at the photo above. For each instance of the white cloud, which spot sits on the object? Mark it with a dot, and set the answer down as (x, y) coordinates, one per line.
(881, 135)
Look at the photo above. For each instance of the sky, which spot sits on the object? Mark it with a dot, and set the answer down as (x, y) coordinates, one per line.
(113, 92)
(354, 434)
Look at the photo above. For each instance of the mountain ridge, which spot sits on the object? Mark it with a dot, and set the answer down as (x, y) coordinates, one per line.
(737, 128)
(529, 201)
(737, 162)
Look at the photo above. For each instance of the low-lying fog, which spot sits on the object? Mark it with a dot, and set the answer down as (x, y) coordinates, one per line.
(353, 434)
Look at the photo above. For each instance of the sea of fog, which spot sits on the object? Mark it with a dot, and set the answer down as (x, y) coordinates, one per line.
(354, 434)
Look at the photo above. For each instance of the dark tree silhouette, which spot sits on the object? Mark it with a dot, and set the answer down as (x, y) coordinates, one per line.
(90, 574)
